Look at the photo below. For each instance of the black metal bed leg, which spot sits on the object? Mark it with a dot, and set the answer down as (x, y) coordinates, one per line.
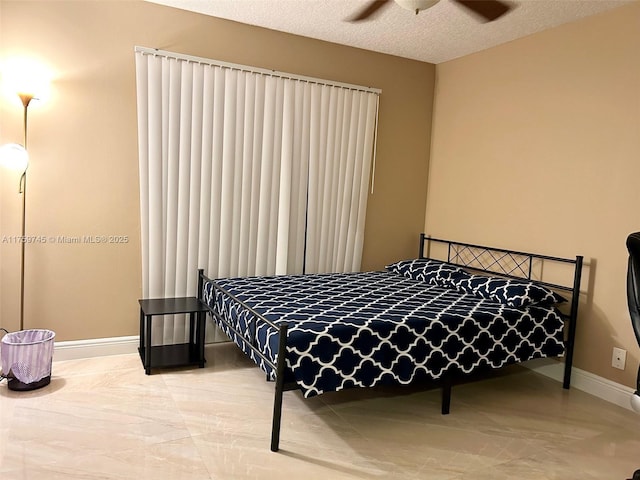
(279, 390)
(277, 416)
(446, 394)
(573, 320)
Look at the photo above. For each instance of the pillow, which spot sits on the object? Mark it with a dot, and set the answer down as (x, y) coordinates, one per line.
(511, 292)
(434, 272)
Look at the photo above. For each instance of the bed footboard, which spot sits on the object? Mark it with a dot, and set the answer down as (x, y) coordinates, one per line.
(249, 346)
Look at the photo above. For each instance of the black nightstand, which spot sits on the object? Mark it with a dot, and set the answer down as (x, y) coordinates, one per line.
(180, 354)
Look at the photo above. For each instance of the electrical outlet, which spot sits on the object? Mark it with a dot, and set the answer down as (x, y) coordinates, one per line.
(619, 358)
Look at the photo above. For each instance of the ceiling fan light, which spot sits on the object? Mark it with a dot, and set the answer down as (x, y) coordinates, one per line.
(416, 5)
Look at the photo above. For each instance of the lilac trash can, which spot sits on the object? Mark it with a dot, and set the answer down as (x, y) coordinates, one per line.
(27, 356)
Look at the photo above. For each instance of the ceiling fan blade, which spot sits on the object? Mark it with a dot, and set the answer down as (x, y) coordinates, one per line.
(368, 11)
(490, 10)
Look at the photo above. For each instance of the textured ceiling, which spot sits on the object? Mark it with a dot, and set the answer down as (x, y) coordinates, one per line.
(443, 32)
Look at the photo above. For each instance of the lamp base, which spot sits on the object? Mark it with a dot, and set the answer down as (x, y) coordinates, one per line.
(17, 385)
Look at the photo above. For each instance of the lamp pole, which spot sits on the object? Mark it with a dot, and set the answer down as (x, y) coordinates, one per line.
(26, 98)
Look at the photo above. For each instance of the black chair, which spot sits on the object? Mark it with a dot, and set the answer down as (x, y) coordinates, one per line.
(633, 299)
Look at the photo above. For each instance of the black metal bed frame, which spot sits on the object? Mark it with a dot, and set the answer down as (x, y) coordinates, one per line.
(502, 262)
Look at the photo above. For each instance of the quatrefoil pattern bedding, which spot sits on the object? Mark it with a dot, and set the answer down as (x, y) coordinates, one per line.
(510, 291)
(373, 328)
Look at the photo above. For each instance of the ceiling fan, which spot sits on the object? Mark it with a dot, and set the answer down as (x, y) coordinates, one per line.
(488, 10)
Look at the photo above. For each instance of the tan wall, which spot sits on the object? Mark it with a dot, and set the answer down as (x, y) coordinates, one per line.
(83, 179)
(536, 146)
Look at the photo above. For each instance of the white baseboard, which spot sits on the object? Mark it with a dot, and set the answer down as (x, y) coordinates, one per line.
(96, 347)
(582, 380)
(587, 382)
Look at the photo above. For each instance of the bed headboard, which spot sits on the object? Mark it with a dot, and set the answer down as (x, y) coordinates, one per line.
(498, 261)
(515, 264)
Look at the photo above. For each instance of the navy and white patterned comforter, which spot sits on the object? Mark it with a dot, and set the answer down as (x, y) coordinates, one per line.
(366, 329)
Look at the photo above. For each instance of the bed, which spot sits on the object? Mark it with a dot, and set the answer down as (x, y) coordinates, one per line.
(454, 310)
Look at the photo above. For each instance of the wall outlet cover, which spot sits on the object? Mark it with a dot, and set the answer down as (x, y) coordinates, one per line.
(618, 358)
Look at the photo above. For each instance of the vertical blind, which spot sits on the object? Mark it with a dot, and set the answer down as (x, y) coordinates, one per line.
(246, 171)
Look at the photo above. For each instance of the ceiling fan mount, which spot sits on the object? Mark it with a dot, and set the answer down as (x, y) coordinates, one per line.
(487, 10)
(416, 5)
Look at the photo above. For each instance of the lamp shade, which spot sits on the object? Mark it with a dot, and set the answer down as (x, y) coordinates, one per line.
(14, 156)
(25, 77)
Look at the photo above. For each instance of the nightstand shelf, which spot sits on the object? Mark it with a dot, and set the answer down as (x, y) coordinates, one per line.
(173, 355)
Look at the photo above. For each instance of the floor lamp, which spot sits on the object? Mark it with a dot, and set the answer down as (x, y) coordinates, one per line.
(29, 81)
(26, 99)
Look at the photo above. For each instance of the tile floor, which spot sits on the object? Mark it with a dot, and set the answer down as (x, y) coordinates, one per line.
(102, 418)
